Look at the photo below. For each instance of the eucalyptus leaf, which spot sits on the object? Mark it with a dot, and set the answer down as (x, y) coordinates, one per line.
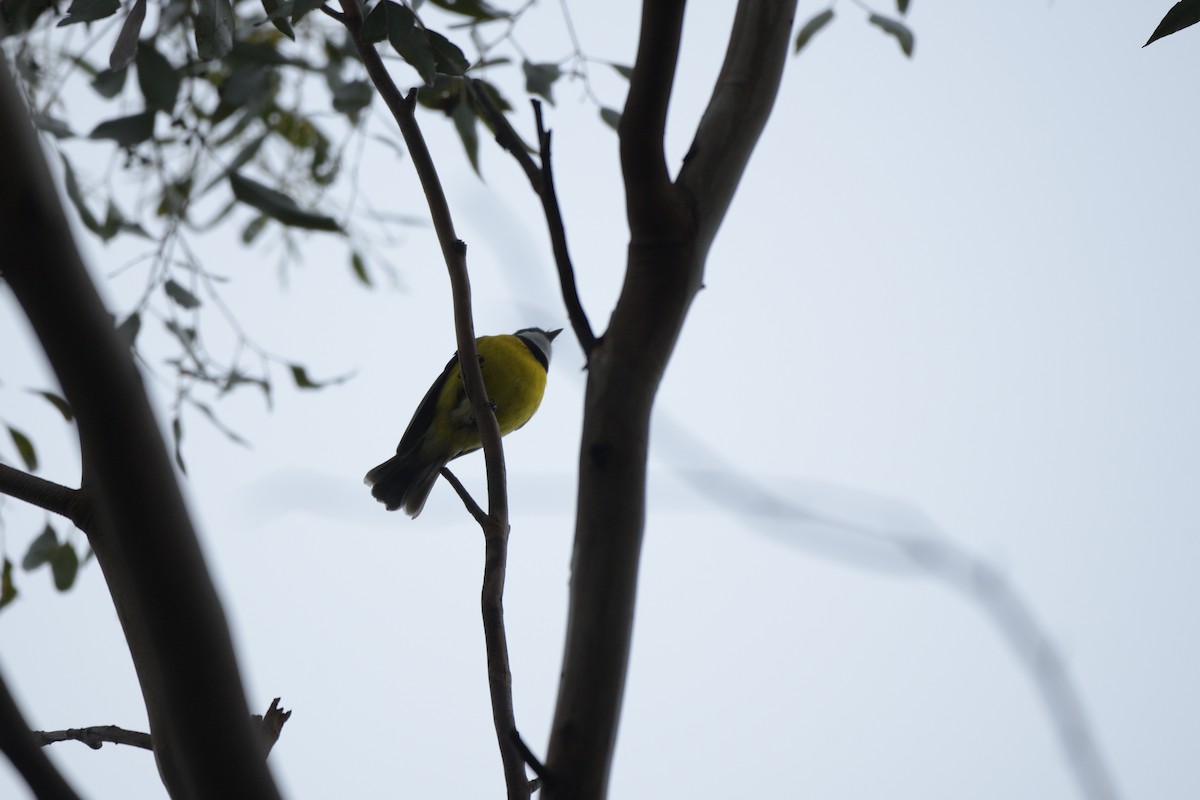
(25, 448)
(157, 78)
(1182, 15)
(41, 549)
(64, 565)
(125, 48)
(126, 131)
(58, 402)
(898, 29)
(214, 29)
(540, 78)
(279, 206)
(183, 297)
(811, 28)
(8, 589)
(89, 11)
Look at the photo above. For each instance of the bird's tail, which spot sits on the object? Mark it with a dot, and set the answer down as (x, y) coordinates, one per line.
(404, 481)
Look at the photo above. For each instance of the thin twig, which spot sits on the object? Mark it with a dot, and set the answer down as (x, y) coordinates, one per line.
(27, 758)
(478, 513)
(53, 497)
(496, 527)
(533, 761)
(95, 736)
(558, 241)
(542, 181)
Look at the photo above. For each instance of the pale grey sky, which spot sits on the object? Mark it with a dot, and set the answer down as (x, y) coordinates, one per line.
(959, 289)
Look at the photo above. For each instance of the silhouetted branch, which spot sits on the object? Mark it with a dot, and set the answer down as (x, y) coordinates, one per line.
(53, 497)
(96, 736)
(542, 181)
(558, 242)
(671, 227)
(26, 756)
(478, 513)
(270, 725)
(172, 618)
(495, 524)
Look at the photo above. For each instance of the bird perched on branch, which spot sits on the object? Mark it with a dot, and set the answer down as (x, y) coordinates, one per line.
(514, 371)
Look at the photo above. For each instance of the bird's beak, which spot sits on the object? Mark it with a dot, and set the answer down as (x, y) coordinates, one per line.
(551, 334)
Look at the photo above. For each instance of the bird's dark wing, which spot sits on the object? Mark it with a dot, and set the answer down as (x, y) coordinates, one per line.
(425, 412)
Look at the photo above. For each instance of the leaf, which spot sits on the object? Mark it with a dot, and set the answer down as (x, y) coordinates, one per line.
(64, 565)
(301, 8)
(253, 228)
(279, 206)
(300, 376)
(374, 28)
(222, 427)
(450, 60)
(278, 14)
(611, 117)
(177, 435)
(622, 70)
(8, 590)
(180, 295)
(52, 125)
(464, 123)
(58, 402)
(24, 448)
(360, 268)
(411, 41)
(89, 11)
(245, 85)
(351, 97)
(41, 549)
(1182, 15)
(109, 83)
(126, 131)
(540, 78)
(214, 29)
(125, 48)
(19, 17)
(811, 27)
(898, 29)
(157, 78)
(303, 381)
(127, 331)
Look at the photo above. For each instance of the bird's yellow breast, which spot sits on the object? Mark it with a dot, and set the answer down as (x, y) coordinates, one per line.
(515, 382)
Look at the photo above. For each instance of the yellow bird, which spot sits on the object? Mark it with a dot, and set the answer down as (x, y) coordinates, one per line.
(443, 428)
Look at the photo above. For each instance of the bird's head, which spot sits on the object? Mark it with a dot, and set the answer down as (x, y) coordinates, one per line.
(538, 341)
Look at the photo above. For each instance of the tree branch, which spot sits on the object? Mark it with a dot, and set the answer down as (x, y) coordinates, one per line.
(648, 190)
(268, 726)
(472, 507)
(542, 181)
(558, 242)
(496, 525)
(26, 755)
(53, 497)
(172, 618)
(95, 737)
(741, 102)
(671, 228)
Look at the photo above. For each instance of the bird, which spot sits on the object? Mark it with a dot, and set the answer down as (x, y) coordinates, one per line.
(443, 428)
